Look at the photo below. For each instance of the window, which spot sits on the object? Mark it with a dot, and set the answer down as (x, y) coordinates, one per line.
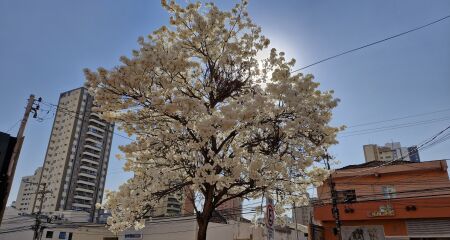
(62, 235)
(388, 191)
(49, 234)
(133, 236)
(347, 196)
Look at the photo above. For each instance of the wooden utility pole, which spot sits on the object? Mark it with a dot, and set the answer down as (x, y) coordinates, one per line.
(334, 201)
(296, 222)
(38, 228)
(15, 155)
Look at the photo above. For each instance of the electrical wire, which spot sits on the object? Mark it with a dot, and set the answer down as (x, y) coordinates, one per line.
(392, 127)
(424, 144)
(68, 111)
(398, 118)
(13, 126)
(373, 43)
(393, 199)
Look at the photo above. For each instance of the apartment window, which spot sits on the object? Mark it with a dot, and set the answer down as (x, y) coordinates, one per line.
(388, 191)
(133, 236)
(49, 234)
(347, 196)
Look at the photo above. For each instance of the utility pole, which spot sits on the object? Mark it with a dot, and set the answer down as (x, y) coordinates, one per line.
(295, 217)
(38, 228)
(15, 154)
(335, 209)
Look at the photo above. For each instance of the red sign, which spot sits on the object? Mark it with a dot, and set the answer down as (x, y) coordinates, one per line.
(270, 215)
(270, 219)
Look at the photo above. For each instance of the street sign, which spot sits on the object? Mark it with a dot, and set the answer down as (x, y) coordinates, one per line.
(270, 219)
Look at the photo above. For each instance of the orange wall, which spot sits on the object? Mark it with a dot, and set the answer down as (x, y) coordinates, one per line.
(438, 207)
(416, 176)
(419, 177)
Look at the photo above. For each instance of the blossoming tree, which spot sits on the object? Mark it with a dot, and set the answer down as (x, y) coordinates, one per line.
(212, 116)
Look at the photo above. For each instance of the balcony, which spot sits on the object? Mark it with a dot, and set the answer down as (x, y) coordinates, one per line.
(88, 153)
(93, 147)
(88, 168)
(96, 129)
(84, 190)
(82, 197)
(97, 135)
(97, 121)
(86, 182)
(87, 175)
(81, 205)
(89, 161)
(94, 140)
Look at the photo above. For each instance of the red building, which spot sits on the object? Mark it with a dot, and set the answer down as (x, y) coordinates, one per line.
(378, 200)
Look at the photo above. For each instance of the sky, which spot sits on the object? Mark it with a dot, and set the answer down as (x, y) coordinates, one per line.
(44, 46)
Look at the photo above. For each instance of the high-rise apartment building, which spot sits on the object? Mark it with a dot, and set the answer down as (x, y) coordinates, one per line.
(391, 151)
(170, 205)
(27, 192)
(77, 155)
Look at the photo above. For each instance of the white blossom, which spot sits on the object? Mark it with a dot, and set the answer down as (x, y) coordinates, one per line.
(192, 97)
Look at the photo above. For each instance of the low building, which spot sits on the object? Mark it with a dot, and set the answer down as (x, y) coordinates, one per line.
(302, 215)
(27, 192)
(390, 152)
(379, 200)
(182, 228)
(231, 209)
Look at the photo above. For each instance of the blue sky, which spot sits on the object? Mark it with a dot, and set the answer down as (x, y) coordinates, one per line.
(44, 45)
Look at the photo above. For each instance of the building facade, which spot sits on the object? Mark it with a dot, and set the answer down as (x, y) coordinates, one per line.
(27, 192)
(169, 206)
(175, 228)
(302, 215)
(390, 152)
(401, 200)
(76, 161)
(231, 209)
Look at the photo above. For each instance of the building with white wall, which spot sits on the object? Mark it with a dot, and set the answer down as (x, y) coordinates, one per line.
(27, 192)
(174, 228)
(391, 151)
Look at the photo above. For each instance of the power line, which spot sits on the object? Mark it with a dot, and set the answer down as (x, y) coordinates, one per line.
(393, 127)
(68, 111)
(13, 126)
(423, 145)
(373, 43)
(397, 198)
(423, 190)
(398, 118)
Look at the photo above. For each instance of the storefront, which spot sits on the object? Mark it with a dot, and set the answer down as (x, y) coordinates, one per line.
(397, 202)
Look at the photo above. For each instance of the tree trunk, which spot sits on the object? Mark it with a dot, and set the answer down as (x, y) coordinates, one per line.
(202, 228)
(206, 214)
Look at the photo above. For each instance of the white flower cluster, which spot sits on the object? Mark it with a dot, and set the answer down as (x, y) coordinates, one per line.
(192, 96)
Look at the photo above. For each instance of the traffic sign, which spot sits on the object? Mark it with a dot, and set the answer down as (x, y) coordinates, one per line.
(270, 219)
